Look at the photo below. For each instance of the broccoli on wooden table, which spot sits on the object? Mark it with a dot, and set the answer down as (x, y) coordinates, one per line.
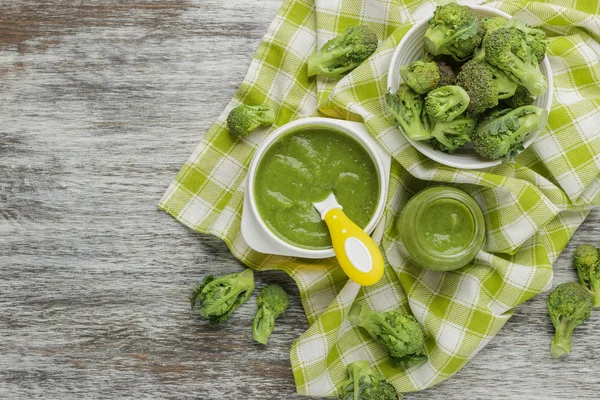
(587, 262)
(272, 301)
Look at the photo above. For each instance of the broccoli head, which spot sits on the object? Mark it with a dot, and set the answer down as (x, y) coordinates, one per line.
(272, 301)
(454, 30)
(493, 24)
(587, 261)
(363, 383)
(447, 76)
(519, 99)
(508, 50)
(400, 333)
(218, 297)
(477, 79)
(536, 38)
(449, 136)
(243, 119)
(501, 134)
(406, 106)
(446, 103)
(506, 87)
(343, 53)
(421, 76)
(569, 305)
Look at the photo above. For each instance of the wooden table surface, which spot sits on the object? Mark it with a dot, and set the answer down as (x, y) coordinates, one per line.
(101, 104)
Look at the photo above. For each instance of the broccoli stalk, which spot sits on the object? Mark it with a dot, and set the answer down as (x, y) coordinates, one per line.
(218, 297)
(501, 134)
(449, 136)
(406, 106)
(587, 261)
(508, 49)
(272, 301)
(244, 119)
(343, 53)
(421, 76)
(400, 333)
(446, 103)
(569, 305)
(454, 30)
(365, 384)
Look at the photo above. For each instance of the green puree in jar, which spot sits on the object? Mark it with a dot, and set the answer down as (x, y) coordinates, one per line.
(446, 226)
(304, 167)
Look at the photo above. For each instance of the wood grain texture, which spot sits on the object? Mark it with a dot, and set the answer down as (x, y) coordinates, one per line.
(102, 103)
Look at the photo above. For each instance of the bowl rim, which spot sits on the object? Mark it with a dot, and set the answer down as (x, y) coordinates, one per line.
(312, 122)
(439, 156)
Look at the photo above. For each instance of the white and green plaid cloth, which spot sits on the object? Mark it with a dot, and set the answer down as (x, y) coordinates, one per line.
(532, 206)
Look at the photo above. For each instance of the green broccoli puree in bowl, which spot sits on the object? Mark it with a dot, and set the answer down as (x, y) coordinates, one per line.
(304, 167)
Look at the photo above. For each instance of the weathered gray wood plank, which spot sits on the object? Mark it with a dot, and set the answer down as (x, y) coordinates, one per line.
(102, 103)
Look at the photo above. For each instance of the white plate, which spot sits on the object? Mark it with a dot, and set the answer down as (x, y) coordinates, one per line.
(410, 49)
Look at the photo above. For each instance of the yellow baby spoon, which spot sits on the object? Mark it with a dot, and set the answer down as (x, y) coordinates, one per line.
(356, 251)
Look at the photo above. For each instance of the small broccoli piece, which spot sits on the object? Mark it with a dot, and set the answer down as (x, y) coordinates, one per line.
(446, 103)
(218, 297)
(343, 53)
(447, 76)
(454, 30)
(519, 99)
(587, 261)
(501, 134)
(449, 136)
(243, 119)
(569, 305)
(536, 38)
(272, 301)
(421, 76)
(400, 333)
(363, 383)
(508, 50)
(406, 106)
(477, 79)
(493, 24)
(506, 87)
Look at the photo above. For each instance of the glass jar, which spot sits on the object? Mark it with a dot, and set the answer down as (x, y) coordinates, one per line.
(441, 228)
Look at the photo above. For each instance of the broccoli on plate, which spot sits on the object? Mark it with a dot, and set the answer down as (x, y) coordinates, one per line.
(446, 103)
(244, 119)
(519, 99)
(365, 384)
(343, 53)
(399, 332)
(447, 76)
(535, 38)
(449, 136)
(218, 297)
(569, 305)
(421, 76)
(454, 30)
(406, 106)
(272, 301)
(587, 262)
(501, 134)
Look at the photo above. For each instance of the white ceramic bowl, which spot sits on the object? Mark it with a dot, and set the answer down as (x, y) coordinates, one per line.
(306, 123)
(410, 49)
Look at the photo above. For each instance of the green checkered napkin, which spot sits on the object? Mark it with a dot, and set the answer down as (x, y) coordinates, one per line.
(531, 206)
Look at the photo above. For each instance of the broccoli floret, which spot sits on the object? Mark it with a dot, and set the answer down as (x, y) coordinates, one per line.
(493, 24)
(536, 38)
(447, 76)
(501, 134)
(449, 136)
(421, 76)
(243, 119)
(569, 305)
(343, 53)
(587, 261)
(400, 333)
(406, 106)
(506, 87)
(477, 79)
(519, 99)
(508, 50)
(218, 297)
(272, 301)
(446, 103)
(365, 384)
(454, 30)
